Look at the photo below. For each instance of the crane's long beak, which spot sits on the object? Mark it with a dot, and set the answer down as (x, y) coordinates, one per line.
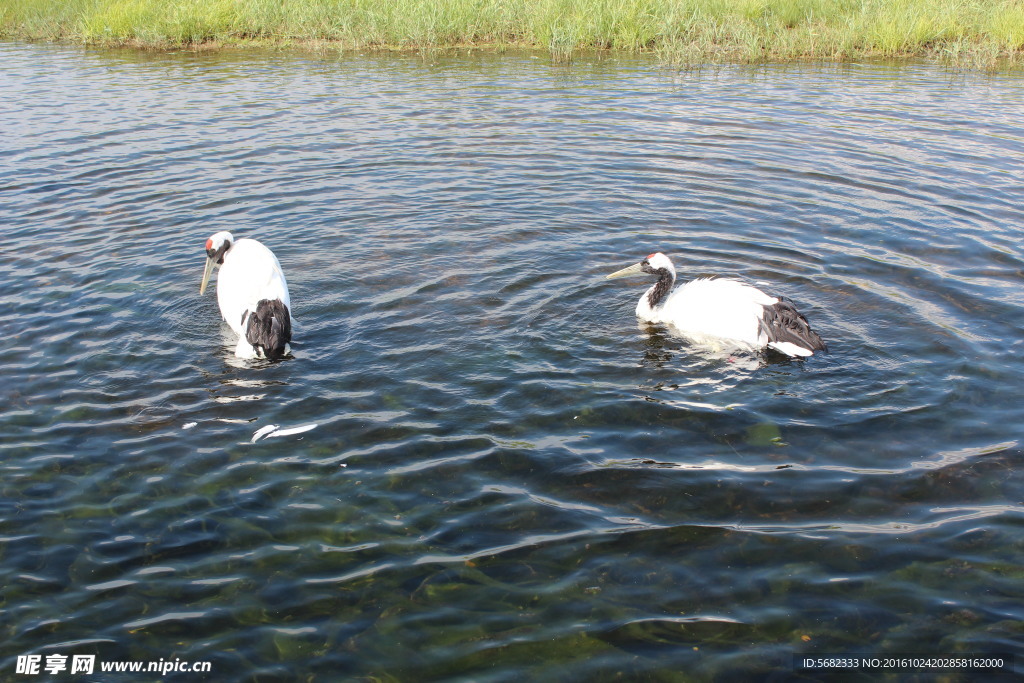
(635, 269)
(210, 263)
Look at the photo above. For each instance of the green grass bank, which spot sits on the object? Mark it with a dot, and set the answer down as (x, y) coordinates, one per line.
(976, 32)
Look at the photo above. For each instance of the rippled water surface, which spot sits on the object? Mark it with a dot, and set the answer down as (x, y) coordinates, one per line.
(508, 478)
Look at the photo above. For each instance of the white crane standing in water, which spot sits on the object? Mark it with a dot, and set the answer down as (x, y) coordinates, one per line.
(252, 294)
(711, 310)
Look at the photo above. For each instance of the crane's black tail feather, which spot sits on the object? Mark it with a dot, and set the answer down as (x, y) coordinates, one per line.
(781, 322)
(270, 328)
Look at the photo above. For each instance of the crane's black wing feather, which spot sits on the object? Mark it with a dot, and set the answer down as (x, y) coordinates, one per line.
(270, 328)
(781, 322)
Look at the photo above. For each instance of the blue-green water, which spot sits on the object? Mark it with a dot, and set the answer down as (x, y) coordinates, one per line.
(509, 479)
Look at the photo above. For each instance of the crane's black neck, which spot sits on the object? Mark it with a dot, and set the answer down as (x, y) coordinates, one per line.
(662, 287)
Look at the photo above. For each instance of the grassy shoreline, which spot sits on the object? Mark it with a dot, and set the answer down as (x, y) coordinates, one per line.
(967, 32)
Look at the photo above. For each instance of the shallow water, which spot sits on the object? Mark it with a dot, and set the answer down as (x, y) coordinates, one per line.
(508, 478)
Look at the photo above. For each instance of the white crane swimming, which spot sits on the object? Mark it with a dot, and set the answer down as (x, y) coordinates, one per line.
(712, 310)
(252, 294)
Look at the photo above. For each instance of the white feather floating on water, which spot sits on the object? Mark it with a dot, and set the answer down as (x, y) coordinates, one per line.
(293, 430)
(262, 432)
(274, 430)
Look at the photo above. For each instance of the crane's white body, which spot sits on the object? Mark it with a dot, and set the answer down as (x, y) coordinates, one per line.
(248, 274)
(721, 312)
(711, 310)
